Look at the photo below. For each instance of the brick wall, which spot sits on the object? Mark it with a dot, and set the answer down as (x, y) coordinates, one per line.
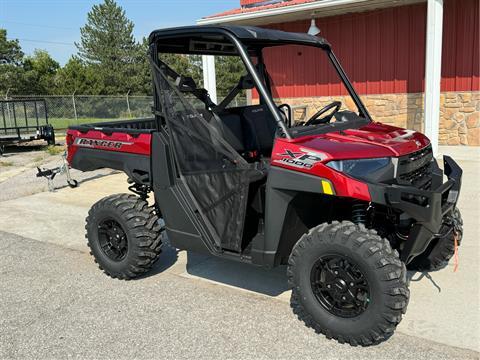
(459, 112)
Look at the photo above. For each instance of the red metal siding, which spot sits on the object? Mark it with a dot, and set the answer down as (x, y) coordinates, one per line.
(382, 51)
(461, 66)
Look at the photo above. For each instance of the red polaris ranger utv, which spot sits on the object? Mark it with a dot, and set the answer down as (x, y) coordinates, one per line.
(345, 202)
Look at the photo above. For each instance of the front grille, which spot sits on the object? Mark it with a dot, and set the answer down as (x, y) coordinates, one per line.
(420, 178)
(425, 153)
(415, 169)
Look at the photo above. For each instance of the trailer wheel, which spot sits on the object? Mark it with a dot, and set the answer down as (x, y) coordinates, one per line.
(347, 283)
(50, 135)
(440, 250)
(124, 235)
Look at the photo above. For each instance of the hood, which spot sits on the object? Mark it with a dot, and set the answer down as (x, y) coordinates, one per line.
(370, 141)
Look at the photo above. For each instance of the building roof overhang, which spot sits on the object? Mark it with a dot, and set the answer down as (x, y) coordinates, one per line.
(297, 10)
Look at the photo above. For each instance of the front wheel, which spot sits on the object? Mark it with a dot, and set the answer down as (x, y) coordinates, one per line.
(441, 249)
(124, 235)
(347, 283)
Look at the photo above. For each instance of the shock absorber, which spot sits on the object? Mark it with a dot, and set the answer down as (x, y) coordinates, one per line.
(359, 212)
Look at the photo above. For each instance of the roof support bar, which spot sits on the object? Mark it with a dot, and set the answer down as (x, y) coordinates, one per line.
(361, 108)
(260, 85)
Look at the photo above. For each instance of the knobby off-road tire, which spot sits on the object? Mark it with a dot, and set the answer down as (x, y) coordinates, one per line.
(440, 250)
(128, 219)
(374, 258)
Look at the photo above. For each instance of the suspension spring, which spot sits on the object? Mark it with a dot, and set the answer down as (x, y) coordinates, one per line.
(359, 212)
(140, 189)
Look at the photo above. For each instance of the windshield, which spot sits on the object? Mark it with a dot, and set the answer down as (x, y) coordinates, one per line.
(305, 82)
(305, 78)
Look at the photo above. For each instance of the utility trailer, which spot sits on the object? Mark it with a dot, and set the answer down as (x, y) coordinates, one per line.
(24, 120)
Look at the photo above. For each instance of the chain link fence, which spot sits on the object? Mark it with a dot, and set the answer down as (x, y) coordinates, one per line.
(66, 110)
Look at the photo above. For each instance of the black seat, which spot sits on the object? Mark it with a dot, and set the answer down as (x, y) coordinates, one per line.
(228, 126)
(233, 131)
(246, 129)
(261, 127)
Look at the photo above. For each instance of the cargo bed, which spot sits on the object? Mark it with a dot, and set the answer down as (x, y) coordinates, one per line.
(122, 145)
(135, 126)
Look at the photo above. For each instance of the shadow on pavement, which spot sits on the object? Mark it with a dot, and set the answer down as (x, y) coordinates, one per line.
(81, 180)
(11, 150)
(271, 282)
(168, 258)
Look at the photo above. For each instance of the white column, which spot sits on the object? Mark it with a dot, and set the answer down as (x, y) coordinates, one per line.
(433, 67)
(209, 80)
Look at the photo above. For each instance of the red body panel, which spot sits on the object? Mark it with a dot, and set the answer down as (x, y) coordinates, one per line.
(116, 141)
(307, 154)
(372, 141)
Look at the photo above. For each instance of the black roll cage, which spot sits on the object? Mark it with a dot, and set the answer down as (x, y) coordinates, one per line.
(240, 37)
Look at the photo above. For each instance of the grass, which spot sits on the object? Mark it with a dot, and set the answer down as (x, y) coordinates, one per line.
(62, 123)
(54, 149)
(6, 163)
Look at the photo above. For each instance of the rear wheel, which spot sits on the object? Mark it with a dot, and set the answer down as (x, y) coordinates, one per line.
(347, 283)
(440, 250)
(124, 235)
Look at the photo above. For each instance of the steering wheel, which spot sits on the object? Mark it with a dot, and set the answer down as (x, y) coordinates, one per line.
(314, 120)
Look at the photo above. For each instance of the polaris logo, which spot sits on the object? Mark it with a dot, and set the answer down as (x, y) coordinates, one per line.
(91, 143)
(302, 159)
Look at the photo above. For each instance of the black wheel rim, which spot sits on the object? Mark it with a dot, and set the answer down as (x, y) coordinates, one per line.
(112, 240)
(339, 286)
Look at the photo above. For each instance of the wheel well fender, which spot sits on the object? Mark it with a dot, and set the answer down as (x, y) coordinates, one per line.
(295, 202)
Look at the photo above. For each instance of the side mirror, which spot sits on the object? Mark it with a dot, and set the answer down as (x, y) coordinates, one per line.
(286, 111)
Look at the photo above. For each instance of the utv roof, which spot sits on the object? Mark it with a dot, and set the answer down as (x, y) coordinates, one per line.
(170, 39)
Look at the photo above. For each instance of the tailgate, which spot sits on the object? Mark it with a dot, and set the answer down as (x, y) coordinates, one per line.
(95, 149)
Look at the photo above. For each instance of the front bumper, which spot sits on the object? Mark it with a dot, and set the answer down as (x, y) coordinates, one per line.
(427, 207)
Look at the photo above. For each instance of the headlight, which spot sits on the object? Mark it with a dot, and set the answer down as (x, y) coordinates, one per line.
(361, 168)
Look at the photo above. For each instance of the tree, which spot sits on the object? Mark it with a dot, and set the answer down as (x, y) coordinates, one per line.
(107, 43)
(10, 51)
(11, 59)
(76, 76)
(40, 70)
(186, 65)
(228, 71)
(12, 79)
(25, 75)
(140, 75)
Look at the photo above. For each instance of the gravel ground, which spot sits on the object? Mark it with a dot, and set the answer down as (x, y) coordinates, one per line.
(18, 169)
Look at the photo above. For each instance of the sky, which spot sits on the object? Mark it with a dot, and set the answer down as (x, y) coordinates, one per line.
(54, 25)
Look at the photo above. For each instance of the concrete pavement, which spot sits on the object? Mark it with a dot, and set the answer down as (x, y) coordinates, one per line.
(444, 306)
(56, 304)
